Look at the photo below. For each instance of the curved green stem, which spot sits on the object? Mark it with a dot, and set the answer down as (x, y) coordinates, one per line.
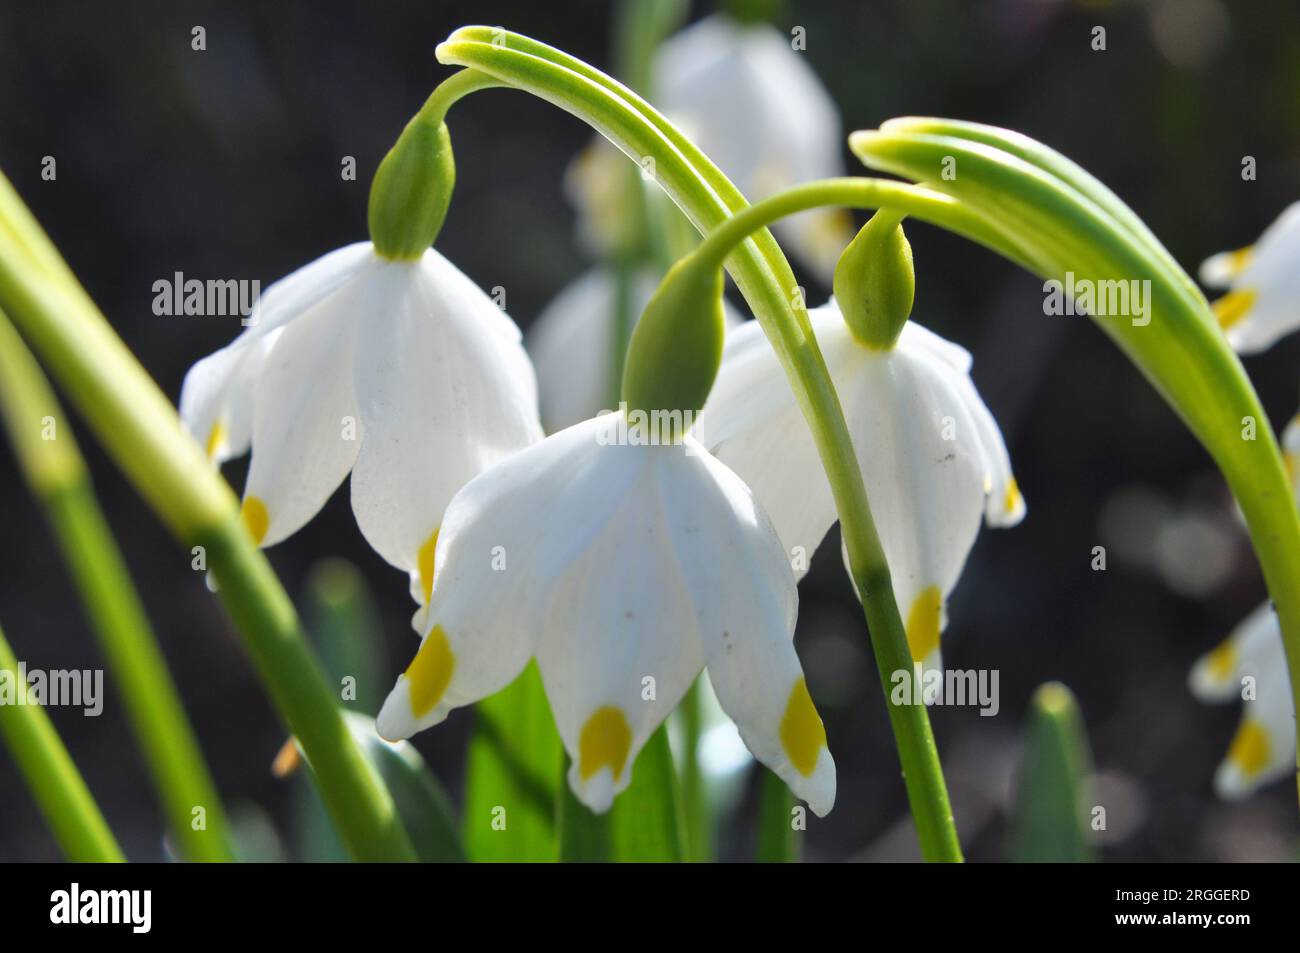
(765, 279)
(58, 478)
(142, 432)
(857, 192)
(55, 782)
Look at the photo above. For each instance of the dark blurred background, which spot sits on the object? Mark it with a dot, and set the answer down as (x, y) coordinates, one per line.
(226, 164)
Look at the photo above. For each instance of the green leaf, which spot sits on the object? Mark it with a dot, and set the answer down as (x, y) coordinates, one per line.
(1052, 812)
(778, 841)
(513, 775)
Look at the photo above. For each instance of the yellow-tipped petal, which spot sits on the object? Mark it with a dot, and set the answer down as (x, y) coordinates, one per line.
(803, 735)
(1222, 661)
(1250, 748)
(255, 517)
(424, 564)
(430, 672)
(605, 742)
(216, 440)
(1232, 307)
(923, 623)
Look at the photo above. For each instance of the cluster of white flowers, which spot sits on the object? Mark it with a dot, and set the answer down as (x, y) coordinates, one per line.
(624, 567)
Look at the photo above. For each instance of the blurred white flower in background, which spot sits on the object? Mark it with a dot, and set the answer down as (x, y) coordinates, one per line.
(1262, 303)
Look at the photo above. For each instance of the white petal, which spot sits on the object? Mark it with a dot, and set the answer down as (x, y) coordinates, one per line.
(753, 424)
(620, 644)
(217, 397)
(299, 291)
(1264, 747)
(305, 428)
(506, 538)
(1264, 283)
(923, 466)
(444, 389)
(1216, 676)
(745, 600)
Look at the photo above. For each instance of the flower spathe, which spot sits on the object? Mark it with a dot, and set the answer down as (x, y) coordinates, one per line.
(932, 457)
(624, 568)
(1262, 303)
(572, 342)
(403, 373)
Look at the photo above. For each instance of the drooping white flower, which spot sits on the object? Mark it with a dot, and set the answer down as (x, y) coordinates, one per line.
(932, 457)
(403, 373)
(1251, 665)
(756, 108)
(624, 568)
(1263, 281)
(572, 344)
(1263, 749)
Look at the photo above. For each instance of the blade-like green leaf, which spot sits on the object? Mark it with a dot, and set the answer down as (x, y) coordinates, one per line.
(513, 775)
(778, 841)
(1051, 821)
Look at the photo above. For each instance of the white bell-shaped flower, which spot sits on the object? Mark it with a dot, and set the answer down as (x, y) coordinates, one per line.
(403, 373)
(1262, 303)
(1251, 665)
(932, 457)
(572, 344)
(624, 567)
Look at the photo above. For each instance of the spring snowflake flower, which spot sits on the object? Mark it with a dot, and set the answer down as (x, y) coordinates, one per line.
(1263, 749)
(1263, 281)
(572, 342)
(934, 462)
(401, 372)
(624, 567)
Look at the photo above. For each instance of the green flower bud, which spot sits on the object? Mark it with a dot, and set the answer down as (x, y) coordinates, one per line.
(874, 282)
(676, 347)
(412, 189)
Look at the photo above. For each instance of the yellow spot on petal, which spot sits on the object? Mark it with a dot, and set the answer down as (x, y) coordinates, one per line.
(424, 565)
(1289, 462)
(923, 623)
(605, 742)
(1249, 750)
(1013, 500)
(255, 517)
(430, 672)
(1239, 259)
(1233, 306)
(802, 733)
(1222, 661)
(216, 439)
